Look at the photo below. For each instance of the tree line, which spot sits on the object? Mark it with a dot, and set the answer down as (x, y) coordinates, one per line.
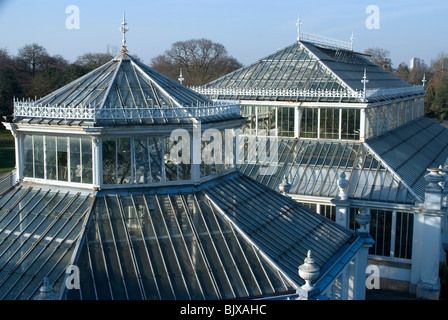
(433, 76)
(34, 73)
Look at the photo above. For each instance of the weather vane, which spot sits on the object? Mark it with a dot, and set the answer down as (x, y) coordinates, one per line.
(124, 28)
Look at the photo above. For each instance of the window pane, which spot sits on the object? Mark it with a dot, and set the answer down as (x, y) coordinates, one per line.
(329, 123)
(308, 125)
(380, 230)
(170, 167)
(109, 161)
(350, 124)
(141, 165)
(124, 160)
(286, 122)
(29, 161)
(62, 159)
(155, 153)
(50, 159)
(404, 235)
(75, 160)
(86, 160)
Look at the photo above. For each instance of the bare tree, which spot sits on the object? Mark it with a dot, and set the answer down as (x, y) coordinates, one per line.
(380, 57)
(201, 61)
(93, 60)
(32, 58)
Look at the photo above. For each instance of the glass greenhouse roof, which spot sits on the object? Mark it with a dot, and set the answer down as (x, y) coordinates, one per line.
(123, 91)
(231, 238)
(388, 168)
(410, 149)
(305, 71)
(313, 168)
(39, 233)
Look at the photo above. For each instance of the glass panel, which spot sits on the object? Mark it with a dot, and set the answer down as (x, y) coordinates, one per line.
(29, 160)
(86, 160)
(380, 230)
(329, 123)
(62, 158)
(109, 161)
(170, 166)
(266, 118)
(308, 124)
(350, 124)
(404, 235)
(124, 160)
(141, 161)
(155, 153)
(38, 142)
(50, 157)
(286, 122)
(75, 160)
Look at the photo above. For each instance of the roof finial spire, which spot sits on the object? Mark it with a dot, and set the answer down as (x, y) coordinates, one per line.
(352, 38)
(124, 28)
(424, 79)
(364, 81)
(181, 77)
(298, 28)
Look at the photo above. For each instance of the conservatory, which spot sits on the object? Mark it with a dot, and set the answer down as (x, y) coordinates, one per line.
(127, 188)
(335, 111)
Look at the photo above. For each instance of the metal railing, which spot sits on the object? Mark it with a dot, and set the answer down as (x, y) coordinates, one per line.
(335, 94)
(88, 112)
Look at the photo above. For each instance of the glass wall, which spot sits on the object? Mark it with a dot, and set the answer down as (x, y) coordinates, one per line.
(58, 158)
(384, 118)
(391, 230)
(154, 159)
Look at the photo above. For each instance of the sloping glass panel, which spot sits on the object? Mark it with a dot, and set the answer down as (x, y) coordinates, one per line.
(38, 235)
(170, 247)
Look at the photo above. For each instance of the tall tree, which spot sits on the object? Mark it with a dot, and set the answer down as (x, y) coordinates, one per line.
(32, 58)
(201, 61)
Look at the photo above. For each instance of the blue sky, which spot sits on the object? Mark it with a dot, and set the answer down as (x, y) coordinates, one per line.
(249, 29)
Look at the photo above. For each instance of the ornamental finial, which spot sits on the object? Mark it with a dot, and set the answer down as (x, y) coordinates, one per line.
(298, 28)
(124, 28)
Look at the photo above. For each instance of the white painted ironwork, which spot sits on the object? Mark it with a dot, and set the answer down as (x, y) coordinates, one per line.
(335, 94)
(318, 94)
(332, 43)
(32, 110)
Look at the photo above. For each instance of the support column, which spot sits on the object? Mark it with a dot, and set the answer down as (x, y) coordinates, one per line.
(359, 286)
(97, 162)
(428, 286)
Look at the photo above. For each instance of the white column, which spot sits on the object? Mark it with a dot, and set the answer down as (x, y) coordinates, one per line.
(297, 117)
(359, 286)
(97, 157)
(362, 125)
(18, 142)
(428, 286)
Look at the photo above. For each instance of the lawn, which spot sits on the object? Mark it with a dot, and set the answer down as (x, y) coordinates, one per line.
(7, 154)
